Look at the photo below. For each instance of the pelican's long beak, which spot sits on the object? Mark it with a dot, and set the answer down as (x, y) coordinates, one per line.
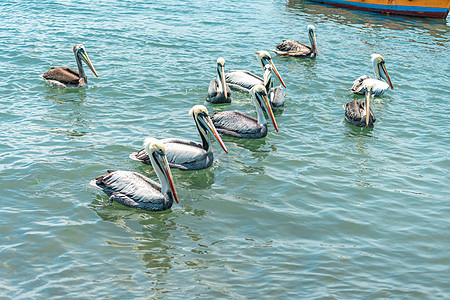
(168, 175)
(206, 120)
(85, 58)
(222, 77)
(385, 75)
(276, 72)
(267, 107)
(367, 104)
(315, 44)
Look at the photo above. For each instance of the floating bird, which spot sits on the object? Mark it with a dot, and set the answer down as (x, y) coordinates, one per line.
(189, 155)
(66, 77)
(218, 86)
(297, 49)
(379, 86)
(277, 97)
(358, 111)
(136, 190)
(243, 81)
(237, 124)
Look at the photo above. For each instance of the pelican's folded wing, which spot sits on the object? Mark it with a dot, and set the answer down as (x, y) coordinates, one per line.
(235, 121)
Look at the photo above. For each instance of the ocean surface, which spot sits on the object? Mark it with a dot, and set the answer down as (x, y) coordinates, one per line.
(319, 210)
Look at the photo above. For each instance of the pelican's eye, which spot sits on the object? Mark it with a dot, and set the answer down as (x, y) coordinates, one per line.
(160, 151)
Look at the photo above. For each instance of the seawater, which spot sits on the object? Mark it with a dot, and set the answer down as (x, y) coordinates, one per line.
(320, 209)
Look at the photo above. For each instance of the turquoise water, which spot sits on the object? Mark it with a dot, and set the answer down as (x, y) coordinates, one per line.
(320, 209)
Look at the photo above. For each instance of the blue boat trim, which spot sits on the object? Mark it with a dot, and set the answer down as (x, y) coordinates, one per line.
(386, 7)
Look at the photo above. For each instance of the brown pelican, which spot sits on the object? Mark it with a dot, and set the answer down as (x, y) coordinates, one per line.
(66, 77)
(358, 111)
(243, 81)
(218, 85)
(297, 49)
(378, 86)
(189, 155)
(276, 94)
(237, 124)
(135, 190)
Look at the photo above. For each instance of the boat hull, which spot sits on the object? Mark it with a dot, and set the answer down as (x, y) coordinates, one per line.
(416, 8)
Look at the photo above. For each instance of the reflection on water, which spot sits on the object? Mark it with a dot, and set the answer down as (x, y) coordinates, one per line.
(152, 243)
(252, 145)
(249, 154)
(60, 95)
(67, 120)
(196, 179)
(434, 26)
(356, 131)
(199, 179)
(359, 158)
(305, 68)
(255, 147)
(70, 133)
(155, 238)
(361, 164)
(149, 233)
(222, 106)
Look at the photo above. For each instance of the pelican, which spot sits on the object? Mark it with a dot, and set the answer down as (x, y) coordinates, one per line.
(276, 94)
(218, 86)
(237, 124)
(243, 81)
(358, 111)
(379, 86)
(297, 49)
(189, 155)
(66, 77)
(136, 190)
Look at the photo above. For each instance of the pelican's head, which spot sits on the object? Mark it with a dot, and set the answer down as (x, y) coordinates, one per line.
(379, 68)
(368, 95)
(221, 62)
(312, 37)
(265, 59)
(157, 153)
(80, 53)
(261, 99)
(221, 75)
(204, 123)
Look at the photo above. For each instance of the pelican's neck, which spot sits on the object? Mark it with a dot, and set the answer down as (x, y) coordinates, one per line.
(260, 113)
(221, 88)
(269, 83)
(263, 62)
(313, 45)
(161, 177)
(80, 67)
(163, 181)
(219, 84)
(206, 145)
(376, 70)
(267, 75)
